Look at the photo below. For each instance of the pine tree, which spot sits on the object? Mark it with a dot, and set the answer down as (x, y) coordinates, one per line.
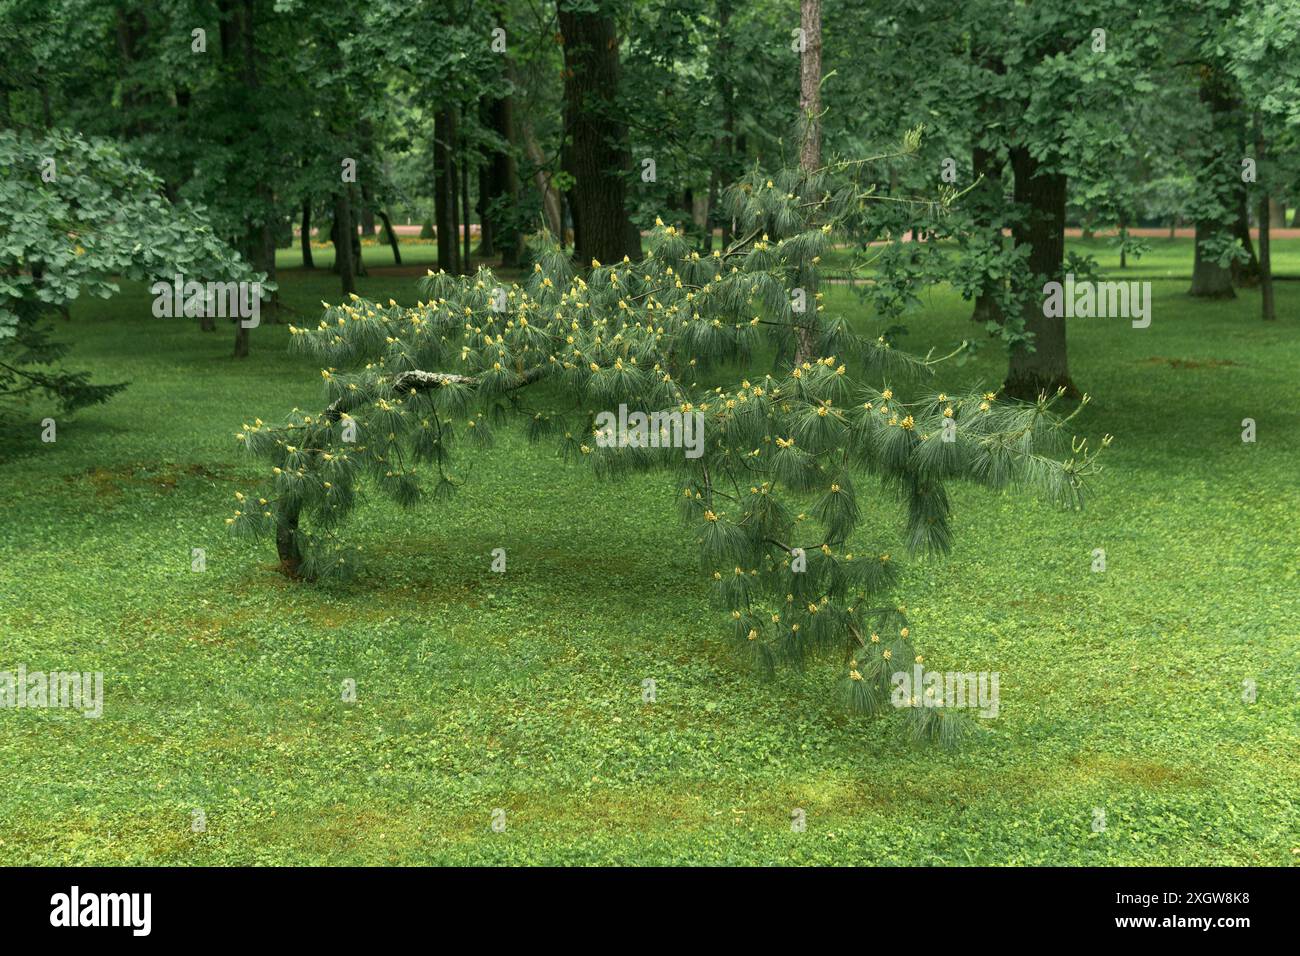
(772, 500)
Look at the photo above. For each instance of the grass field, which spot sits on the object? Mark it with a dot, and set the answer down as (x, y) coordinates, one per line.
(1120, 691)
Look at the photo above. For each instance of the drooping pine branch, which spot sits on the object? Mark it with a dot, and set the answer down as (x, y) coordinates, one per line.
(770, 494)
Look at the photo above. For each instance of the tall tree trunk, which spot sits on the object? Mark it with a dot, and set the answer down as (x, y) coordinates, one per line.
(1209, 279)
(508, 237)
(986, 198)
(724, 144)
(261, 237)
(358, 263)
(1265, 224)
(632, 242)
(343, 230)
(392, 236)
(1244, 273)
(595, 150)
(810, 85)
(307, 261)
(486, 189)
(367, 210)
(267, 264)
(366, 213)
(487, 186)
(444, 189)
(466, 254)
(453, 195)
(1265, 262)
(1042, 229)
(810, 157)
(499, 189)
(1219, 176)
(130, 28)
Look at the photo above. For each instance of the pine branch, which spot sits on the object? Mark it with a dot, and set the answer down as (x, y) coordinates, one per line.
(420, 381)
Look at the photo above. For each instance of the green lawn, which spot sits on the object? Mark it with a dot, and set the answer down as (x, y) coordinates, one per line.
(1120, 690)
(1165, 259)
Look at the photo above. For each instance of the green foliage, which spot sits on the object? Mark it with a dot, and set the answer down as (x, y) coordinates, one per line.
(783, 452)
(80, 216)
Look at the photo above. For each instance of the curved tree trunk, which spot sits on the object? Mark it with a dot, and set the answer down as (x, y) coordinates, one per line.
(392, 236)
(286, 543)
(1244, 273)
(288, 517)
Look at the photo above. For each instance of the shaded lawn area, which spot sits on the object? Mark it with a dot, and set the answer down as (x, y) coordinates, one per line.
(1120, 691)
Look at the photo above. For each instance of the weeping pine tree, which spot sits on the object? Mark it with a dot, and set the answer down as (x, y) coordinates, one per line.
(772, 499)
